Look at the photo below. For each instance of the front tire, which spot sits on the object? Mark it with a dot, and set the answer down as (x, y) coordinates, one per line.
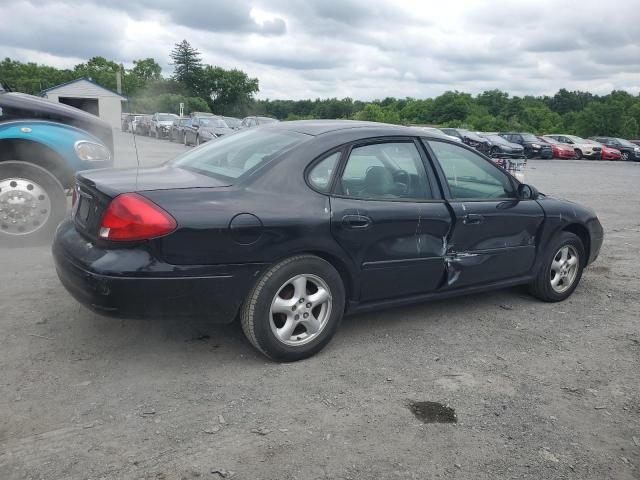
(294, 309)
(32, 204)
(625, 156)
(562, 269)
(578, 154)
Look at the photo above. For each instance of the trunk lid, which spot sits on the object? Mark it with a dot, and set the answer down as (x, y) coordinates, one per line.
(96, 188)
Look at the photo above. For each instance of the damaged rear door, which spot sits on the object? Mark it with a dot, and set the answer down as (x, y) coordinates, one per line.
(494, 233)
(388, 215)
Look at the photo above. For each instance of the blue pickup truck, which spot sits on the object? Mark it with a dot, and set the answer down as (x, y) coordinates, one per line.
(42, 145)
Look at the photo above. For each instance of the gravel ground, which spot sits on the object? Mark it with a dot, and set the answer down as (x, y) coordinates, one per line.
(540, 390)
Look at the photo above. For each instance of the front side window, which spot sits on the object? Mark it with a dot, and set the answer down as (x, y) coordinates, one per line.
(391, 170)
(231, 156)
(469, 175)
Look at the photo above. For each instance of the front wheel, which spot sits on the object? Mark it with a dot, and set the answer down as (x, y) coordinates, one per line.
(294, 309)
(494, 152)
(562, 269)
(625, 156)
(578, 154)
(32, 204)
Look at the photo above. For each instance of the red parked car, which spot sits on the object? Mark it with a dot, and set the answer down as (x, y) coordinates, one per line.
(560, 150)
(608, 153)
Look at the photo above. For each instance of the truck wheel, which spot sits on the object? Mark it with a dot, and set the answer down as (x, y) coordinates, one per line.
(32, 204)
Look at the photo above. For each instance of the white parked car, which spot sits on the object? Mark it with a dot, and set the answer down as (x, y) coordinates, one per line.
(161, 124)
(582, 147)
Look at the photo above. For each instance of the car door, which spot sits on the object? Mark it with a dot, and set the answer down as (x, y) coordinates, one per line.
(388, 215)
(494, 233)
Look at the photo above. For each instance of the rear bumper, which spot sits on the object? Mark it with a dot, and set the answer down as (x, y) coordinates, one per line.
(131, 283)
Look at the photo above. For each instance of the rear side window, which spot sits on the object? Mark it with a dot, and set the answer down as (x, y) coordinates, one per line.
(470, 176)
(392, 170)
(321, 174)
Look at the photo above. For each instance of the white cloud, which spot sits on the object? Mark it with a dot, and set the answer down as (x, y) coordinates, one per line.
(359, 48)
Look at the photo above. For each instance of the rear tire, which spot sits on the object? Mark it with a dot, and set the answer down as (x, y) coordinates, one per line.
(559, 270)
(294, 309)
(33, 202)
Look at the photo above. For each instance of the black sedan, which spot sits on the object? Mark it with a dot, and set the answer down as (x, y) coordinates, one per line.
(290, 226)
(204, 128)
(500, 147)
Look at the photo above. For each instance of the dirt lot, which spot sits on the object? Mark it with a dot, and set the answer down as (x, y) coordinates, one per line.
(540, 390)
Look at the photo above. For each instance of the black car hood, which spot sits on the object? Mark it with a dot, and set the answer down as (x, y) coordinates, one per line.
(20, 106)
(114, 181)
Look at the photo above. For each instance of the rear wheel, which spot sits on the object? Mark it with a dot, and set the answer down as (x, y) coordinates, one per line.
(294, 309)
(562, 269)
(32, 204)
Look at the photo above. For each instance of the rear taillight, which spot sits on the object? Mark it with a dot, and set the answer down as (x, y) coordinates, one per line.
(131, 217)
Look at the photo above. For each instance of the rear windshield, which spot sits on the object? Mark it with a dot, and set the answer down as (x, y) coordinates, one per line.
(164, 118)
(234, 155)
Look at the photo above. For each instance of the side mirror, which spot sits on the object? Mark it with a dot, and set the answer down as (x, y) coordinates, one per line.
(527, 192)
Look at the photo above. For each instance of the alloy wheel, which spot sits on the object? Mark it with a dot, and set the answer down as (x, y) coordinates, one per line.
(300, 310)
(564, 268)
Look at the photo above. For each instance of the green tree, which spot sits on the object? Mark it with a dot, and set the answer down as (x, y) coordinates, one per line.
(228, 92)
(187, 65)
(100, 70)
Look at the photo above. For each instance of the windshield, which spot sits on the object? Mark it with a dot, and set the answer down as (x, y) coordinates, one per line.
(625, 143)
(213, 122)
(233, 122)
(166, 118)
(575, 139)
(234, 155)
(527, 137)
(497, 139)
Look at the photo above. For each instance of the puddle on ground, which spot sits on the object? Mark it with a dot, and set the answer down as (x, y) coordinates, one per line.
(433, 412)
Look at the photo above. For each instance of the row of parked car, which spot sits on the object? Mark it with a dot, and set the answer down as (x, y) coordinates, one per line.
(195, 129)
(528, 145)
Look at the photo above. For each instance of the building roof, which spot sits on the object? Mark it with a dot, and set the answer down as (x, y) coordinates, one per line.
(86, 79)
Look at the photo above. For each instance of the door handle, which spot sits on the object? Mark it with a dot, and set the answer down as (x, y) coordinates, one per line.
(472, 219)
(356, 221)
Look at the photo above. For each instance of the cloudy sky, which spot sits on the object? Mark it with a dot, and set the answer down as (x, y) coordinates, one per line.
(359, 48)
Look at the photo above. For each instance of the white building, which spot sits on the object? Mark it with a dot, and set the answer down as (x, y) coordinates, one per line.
(87, 95)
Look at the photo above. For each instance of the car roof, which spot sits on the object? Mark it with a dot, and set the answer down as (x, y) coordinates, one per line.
(320, 127)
